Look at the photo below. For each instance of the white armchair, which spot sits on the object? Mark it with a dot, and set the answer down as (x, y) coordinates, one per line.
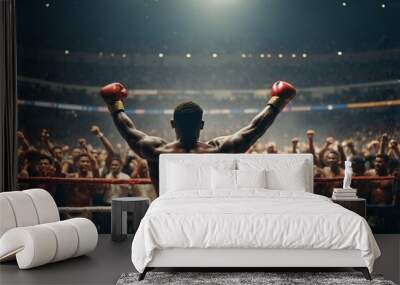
(31, 230)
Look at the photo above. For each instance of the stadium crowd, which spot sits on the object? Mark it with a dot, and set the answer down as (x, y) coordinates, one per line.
(379, 157)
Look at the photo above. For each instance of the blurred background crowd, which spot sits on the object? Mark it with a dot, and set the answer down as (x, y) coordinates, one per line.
(223, 56)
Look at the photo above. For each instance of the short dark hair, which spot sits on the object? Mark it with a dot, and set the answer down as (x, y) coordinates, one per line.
(44, 156)
(357, 159)
(336, 153)
(116, 158)
(188, 113)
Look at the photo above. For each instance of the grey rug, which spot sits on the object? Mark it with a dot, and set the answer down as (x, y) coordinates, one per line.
(232, 278)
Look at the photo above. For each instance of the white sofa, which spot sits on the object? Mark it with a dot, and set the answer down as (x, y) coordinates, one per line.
(31, 230)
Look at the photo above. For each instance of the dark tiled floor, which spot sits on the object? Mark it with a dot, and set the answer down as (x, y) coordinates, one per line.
(102, 266)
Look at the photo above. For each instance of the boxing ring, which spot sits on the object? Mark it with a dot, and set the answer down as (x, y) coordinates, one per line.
(146, 181)
(385, 215)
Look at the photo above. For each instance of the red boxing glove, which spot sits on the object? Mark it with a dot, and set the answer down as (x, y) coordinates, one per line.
(281, 94)
(113, 94)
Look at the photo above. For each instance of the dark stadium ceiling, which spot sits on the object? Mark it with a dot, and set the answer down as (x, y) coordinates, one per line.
(196, 26)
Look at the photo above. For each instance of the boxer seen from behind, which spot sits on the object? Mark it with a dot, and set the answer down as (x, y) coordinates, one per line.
(187, 122)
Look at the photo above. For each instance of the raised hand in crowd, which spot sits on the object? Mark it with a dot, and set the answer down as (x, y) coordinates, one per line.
(342, 155)
(87, 149)
(311, 147)
(394, 150)
(107, 145)
(295, 143)
(25, 145)
(383, 144)
(329, 141)
(372, 148)
(45, 144)
(348, 145)
(271, 148)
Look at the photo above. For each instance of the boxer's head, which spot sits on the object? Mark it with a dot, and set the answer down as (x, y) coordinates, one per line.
(187, 122)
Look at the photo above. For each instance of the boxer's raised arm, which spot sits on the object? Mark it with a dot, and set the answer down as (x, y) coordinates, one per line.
(144, 145)
(141, 143)
(242, 140)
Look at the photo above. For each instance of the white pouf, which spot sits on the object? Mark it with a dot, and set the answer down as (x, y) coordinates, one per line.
(31, 230)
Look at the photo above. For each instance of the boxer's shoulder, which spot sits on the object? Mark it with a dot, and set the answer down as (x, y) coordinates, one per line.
(176, 147)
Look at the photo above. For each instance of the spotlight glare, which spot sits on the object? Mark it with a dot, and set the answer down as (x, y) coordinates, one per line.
(112, 54)
(304, 55)
(280, 55)
(262, 55)
(293, 55)
(244, 55)
(101, 53)
(47, 5)
(269, 55)
(339, 53)
(383, 5)
(214, 55)
(188, 55)
(123, 55)
(344, 4)
(160, 55)
(66, 51)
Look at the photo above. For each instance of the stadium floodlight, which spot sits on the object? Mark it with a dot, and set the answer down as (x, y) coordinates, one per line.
(160, 55)
(269, 55)
(293, 55)
(47, 5)
(383, 5)
(339, 52)
(280, 55)
(66, 51)
(344, 4)
(244, 55)
(112, 54)
(188, 55)
(262, 55)
(214, 55)
(123, 55)
(304, 55)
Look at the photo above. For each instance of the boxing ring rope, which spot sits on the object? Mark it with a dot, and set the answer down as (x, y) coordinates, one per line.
(67, 180)
(135, 181)
(354, 178)
(146, 181)
(93, 209)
